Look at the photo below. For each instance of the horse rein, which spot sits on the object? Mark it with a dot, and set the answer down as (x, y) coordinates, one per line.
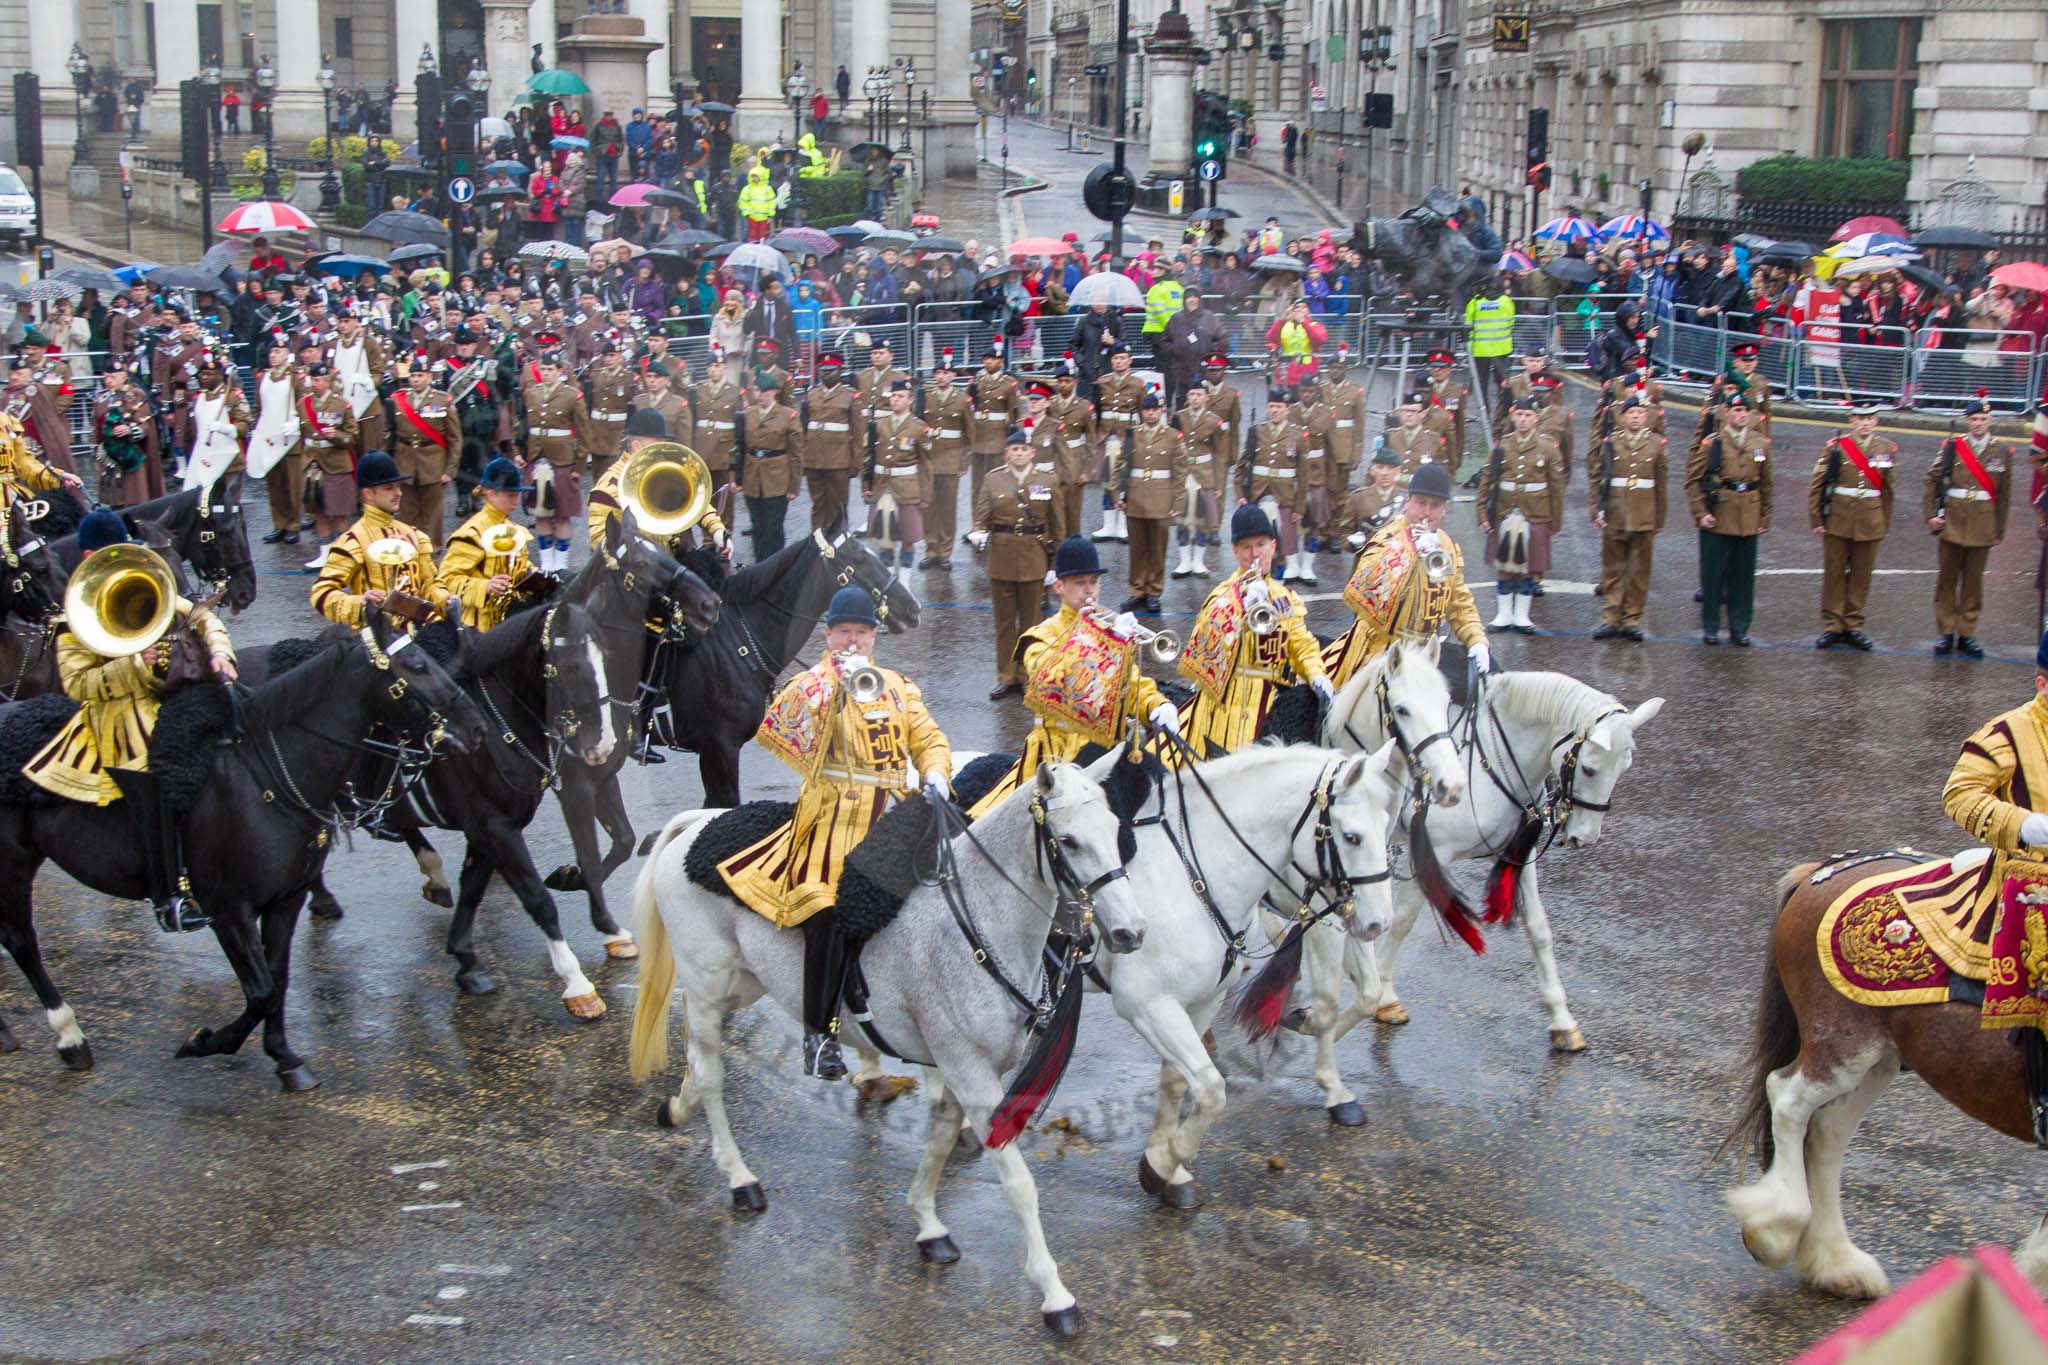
(1557, 794)
(558, 735)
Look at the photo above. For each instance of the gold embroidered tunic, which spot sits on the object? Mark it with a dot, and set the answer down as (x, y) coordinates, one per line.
(1228, 708)
(348, 573)
(467, 569)
(21, 472)
(1392, 597)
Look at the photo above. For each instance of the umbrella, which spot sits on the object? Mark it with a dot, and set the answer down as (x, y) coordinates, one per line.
(91, 277)
(9, 291)
(50, 290)
(349, 266)
(632, 196)
(670, 265)
(403, 225)
(555, 81)
(859, 150)
(1787, 253)
(1872, 244)
(408, 170)
(942, 245)
(1567, 230)
(613, 244)
(1867, 265)
(669, 199)
(419, 251)
(1280, 260)
(501, 192)
(266, 215)
(1215, 215)
(1869, 222)
(804, 241)
(722, 250)
(2022, 275)
(508, 168)
(1036, 246)
(132, 273)
(1927, 279)
(1964, 238)
(847, 232)
(889, 238)
(1635, 227)
(1753, 241)
(554, 251)
(694, 237)
(1571, 270)
(491, 129)
(1515, 260)
(758, 256)
(566, 143)
(714, 107)
(186, 277)
(1110, 287)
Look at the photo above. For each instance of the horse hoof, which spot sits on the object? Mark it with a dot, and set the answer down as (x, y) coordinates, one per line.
(1391, 1013)
(1567, 1040)
(327, 908)
(885, 1089)
(8, 1042)
(297, 1079)
(439, 895)
(665, 1114)
(749, 1198)
(1188, 1194)
(1350, 1114)
(589, 1006)
(938, 1250)
(1064, 1322)
(1148, 1179)
(1295, 1020)
(624, 949)
(78, 1056)
(567, 877)
(199, 1044)
(475, 983)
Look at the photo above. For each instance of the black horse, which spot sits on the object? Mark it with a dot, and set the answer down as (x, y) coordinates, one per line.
(1442, 248)
(202, 527)
(28, 610)
(260, 817)
(715, 690)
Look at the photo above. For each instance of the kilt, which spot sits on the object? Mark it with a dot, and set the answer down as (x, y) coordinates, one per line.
(337, 496)
(1539, 546)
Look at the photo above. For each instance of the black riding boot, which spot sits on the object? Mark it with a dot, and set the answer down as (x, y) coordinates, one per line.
(824, 982)
(163, 857)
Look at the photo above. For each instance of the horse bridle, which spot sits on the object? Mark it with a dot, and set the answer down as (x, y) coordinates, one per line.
(559, 733)
(1551, 802)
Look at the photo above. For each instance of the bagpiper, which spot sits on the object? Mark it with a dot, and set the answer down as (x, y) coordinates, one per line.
(1849, 506)
(1968, 495)
(1018, 521)
(1409, 580)
(1523, 480)
(353, 576)
(484, 564)
(557, 435)
(897, 477)
(124, 424)
(1117, 394)
(1628, 499)
(327, 445)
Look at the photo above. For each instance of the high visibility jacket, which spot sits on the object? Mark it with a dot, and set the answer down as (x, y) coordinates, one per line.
(757, 198)
(1492, 325)
(1162, 301)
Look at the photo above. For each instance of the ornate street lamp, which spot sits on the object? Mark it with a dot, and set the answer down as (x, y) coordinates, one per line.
(80, 67)
(428, 66)
(874, 85)
(330, 188)
(909, 80)
(266, 81)
(794, 86)
(211, 76)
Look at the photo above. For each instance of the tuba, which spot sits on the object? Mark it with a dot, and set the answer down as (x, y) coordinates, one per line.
(121, 600)
(666, 486)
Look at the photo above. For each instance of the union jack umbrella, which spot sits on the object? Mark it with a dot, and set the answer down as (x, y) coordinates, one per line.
(1634, 227)
(1567, 230)
(266, 215)
(1510, 260)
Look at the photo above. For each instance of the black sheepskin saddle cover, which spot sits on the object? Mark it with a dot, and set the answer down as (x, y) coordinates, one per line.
(192, 724)
(1295, 717)
(727, 834)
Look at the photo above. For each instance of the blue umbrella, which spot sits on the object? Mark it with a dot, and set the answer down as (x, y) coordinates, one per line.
(131, 273)
(570, 144)
(348, 267)
(508, 167)
(1567, 230)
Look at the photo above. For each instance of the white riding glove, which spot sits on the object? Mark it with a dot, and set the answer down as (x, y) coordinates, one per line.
(722, 539)
(978, 539)
(1125, 624)
(1165, 717)
(1323, 689)
(1356, 540)
(938, 785)
(1482, 658)
(2034, 831)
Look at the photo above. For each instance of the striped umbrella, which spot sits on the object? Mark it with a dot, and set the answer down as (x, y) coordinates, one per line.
(1515, 260)
(266, 215)
(1873, 244)
(1635, 227)
(1567, 230)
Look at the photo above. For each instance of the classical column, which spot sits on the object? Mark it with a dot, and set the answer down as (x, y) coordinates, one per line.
(177, 59)
(508, 52)
(654, 15)
(761, 117)
(417, 25)
(1170, 98)
(868, 47)
(824, 64)
(952, 96)
(52, 30)
(297, 62)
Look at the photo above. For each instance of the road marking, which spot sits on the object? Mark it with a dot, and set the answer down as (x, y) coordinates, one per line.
(411, 1166)
(452, 1292)
(429, 1208)
(428, 1186)
(1784, 573)
(434, 1320)
(491, 1271)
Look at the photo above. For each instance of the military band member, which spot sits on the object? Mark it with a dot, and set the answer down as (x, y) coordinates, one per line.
(360, 361)
(1525, 474)
(1555, 418)
(1411, 439)
(898, 475)
(1393, 593)
(174, 371)
(1849, 506)
(1269, 473)
(1231, 703)
(658, 393)
(771, 449)
(1448, 402)
(1739, 377)
(21, 473)
(1077, 581)
(767, 360)
(125, 427)
(715, 406)
(1079, 438)
(1320, 491)
(1728, 491)
(1224, 400)
(869, 754)
(480, 580)
(43, 429)
(1018, 520)
(608, 397)
(1628, 499)
(557, 432)
(998, 410)
(1209, 452)
(1345, 401)
(1969, 494)
(1116, 412)
(871, 385)
(834, 418)
(1635, 384)
(482, 386)
(1149, 478)
(349, 579)
(1375, 502)
(642, 428)
(426, 442)
(327, 446)
(1535, 363)
(1998, 779)
(102, 754)
(949, 416)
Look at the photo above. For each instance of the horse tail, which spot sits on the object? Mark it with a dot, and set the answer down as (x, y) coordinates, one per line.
(649, 1052)
(1775, 1045)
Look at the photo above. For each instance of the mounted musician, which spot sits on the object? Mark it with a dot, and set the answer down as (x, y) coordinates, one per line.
(488, 556)
(643, 429)
(380, 559)
(1409, 581)
(21, 473)
(116, 672)
(1249, 631)
(860, 737)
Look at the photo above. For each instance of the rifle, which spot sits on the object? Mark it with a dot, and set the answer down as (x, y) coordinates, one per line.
(1493, 468)
(1944, 476)
(1606, 472)
(1710, 478)
(1829, 479)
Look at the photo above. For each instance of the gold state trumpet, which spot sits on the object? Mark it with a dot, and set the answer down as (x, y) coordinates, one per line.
(863, 683)
(1162, 645)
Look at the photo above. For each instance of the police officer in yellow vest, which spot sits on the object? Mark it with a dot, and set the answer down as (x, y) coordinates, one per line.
(855, 757)
(1236, 665)
(102, 754)
(1490, 332)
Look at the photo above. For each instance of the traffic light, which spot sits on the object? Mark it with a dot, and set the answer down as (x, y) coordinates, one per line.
(1538, 175)
(428, 105)
(1031, 80)
(1211, 128)
(195, 158)
(1379, 111)
(28, 119)
(461, 131)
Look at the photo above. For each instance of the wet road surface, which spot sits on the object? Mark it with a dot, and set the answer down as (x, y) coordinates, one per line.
(486, 1159)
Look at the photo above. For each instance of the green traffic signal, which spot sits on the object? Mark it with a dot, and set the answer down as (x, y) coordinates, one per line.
(1207, 148)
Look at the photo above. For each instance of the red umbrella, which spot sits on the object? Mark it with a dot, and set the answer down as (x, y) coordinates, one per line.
(2022, 275)
(1869, 222)
(266, 215)
(1037, 246)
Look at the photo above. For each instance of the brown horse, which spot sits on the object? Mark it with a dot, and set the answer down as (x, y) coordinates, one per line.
(1820, 1061)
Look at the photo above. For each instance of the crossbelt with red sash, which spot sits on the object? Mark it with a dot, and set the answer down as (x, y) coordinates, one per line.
(419, 424)
(1860, 460)
(319, 429)
(1973, 464)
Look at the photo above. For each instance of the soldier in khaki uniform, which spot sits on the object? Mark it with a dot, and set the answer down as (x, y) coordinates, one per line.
(771, 449)
(715, 406)
(950, 419)
(1740, 377)
(1554, 419)
(1638, 385)
(426, 441)
(1412, 440)
(608, 398)
(1209, 452)
(1149, 478)
(1320, 490)
(1116, 412)
(1270, 472)
(327, 445)
(1627, 493)
(656, 392)
(833, 418)
(998, 402)
(1224, 401)
(1525, 474)
(1346, 403)
(1849, 506)
(1048, 440)
(1447, 406)
(557, 432)
(1079, 432)
(898, 475)
(1969, 494)
(871, 385)
(1374, 503)
(1728, 490)
(349, 579)
(1018, 522)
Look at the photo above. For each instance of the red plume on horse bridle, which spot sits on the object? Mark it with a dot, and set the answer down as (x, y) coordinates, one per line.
(1504, 883)
(1436, 886)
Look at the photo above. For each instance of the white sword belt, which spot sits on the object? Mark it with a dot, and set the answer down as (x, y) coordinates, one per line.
(545, 432)
(1631, 483)
(1507, 487)
(1859, 492)
(830, 426)
(1968, 495)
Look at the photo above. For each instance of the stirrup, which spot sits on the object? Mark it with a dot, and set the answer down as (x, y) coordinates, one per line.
(180, 914)
(821, 1057)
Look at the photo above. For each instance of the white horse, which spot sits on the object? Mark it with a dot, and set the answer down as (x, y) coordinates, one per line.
(934, 993)
(1538, 742)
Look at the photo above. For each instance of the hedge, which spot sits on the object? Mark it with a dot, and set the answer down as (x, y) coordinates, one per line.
(1823, 180)
(832, 200)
